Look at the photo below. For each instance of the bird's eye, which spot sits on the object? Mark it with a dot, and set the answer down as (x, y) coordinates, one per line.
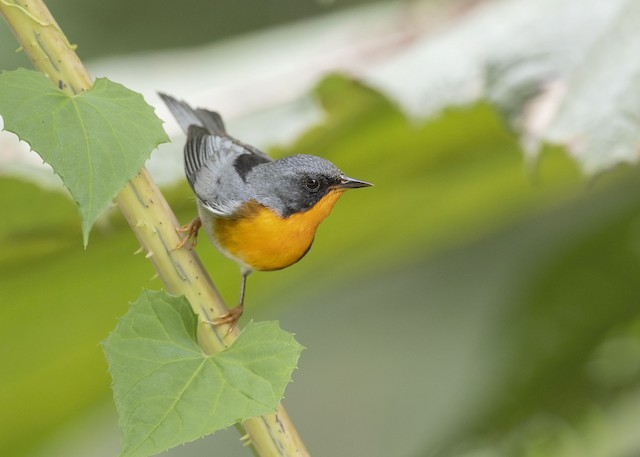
(312, 184)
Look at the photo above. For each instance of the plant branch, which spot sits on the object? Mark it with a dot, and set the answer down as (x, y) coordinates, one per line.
(149, 216)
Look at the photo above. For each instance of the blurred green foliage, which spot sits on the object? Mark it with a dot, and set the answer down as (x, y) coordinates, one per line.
(468, 304)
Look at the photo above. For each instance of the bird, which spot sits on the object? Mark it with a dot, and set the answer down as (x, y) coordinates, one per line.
(259, 212)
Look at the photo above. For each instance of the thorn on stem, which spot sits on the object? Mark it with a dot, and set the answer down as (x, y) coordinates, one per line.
(246, 440)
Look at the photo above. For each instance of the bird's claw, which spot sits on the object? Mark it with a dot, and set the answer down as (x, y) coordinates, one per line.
(231, 317)
(191, 229)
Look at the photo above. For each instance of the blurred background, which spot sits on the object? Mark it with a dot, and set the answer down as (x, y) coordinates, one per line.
(481, 300)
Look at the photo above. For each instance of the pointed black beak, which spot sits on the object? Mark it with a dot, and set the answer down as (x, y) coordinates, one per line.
(350, 183)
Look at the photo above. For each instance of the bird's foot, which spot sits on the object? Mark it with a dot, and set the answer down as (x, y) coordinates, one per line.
(191, 229)
(231, 317)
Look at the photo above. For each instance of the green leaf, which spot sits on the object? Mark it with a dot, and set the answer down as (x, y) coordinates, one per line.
(96, 141)
(168, 392)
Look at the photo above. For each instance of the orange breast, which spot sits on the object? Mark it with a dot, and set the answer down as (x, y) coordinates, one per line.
(259, 237)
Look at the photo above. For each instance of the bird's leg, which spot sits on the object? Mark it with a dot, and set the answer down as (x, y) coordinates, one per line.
(191, 229)
(233, 316)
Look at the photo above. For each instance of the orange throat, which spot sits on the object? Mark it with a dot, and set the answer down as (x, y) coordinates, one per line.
(259, 239)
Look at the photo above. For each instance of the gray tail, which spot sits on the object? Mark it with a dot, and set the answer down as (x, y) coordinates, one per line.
(187, 116)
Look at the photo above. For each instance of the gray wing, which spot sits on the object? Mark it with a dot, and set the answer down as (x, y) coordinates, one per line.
(215, 163)
(216, 166)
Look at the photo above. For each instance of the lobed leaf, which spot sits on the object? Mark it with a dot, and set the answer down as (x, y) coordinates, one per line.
(95, 141)
(168, 392)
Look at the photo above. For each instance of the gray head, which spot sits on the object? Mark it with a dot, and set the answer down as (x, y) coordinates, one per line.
(296, 183)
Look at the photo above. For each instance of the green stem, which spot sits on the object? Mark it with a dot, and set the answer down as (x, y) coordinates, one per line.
(149, 216)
